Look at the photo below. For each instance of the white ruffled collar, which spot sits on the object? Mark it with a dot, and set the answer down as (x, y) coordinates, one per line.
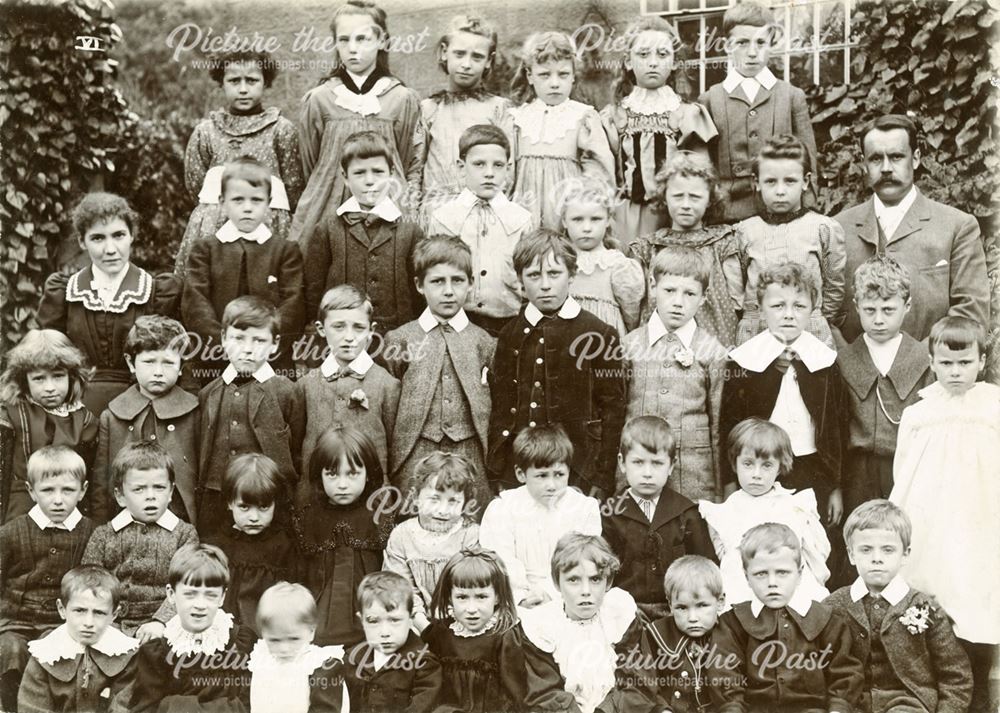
(62, 410)
(212, 639)
(308, 660)
(652, 101)
(459, 629)
(544, 123)
(59, 645)
(365, 104)
(600, 257)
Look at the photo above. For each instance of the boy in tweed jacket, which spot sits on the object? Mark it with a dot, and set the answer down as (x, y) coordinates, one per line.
(903, 638)
(442, 360)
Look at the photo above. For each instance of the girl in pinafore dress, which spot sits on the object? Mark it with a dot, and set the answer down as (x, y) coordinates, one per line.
(689, 188)
(788, 232)
(649, 121)
(359, 95)
(465, 53)
(243, 128)
(607, 283)
(555, 138)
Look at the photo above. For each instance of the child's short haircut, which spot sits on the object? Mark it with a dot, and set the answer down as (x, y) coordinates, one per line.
(90, 578)
(199, 565)
(957, 333)
(153, 333)
(787, 274)
(252, 478)
(100, 207)
(284, 600)
(746, 13)
(764, 439)
(344, 297)
(881, 277)
(539, 243)
(652, 433)
(474, 26)
(364, 144)
(140, 455)
(888, 122)
(680, 261)
(878, 515)
(573, 548)
(43, 349)
(248, 312)
(441, 250)
(53, 461)
(768, 539)
(692, 573)
(249, 169)
(689, 165)
(542, 446)
(482, 135)
(783, 147)
(261, 60)
(448, 471)
(391, 590)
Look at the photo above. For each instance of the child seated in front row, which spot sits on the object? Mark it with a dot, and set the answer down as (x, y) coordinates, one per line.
(257, 546)
(443, 488)
(649, 524)
(524, 524)
(85, 664)
(248, 409)
(392, 669)
(289, 673)
(590, 621)
(902, 637)
(794, 654)
(137, 543)
(760, 453)
(156, 408)
(36, 550)
(199, 664)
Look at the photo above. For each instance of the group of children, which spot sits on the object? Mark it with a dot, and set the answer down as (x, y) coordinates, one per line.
(408, 412)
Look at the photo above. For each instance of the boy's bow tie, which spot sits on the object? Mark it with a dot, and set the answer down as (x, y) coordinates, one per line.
(341, 373)
(354, 217)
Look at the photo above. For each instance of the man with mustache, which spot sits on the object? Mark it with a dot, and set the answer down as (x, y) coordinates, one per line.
(939, 245)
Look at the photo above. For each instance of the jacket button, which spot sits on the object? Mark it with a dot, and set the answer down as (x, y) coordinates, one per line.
(505, 433)
(752, 112)
(534, 404)
(152, 437)
(131, 428)
(541, 340)
(531, 423)
(527, 329)
(516, 352)
(539, 360)
(513, 410)
(170, 427)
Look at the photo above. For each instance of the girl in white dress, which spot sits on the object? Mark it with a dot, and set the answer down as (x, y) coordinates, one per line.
(761, 452)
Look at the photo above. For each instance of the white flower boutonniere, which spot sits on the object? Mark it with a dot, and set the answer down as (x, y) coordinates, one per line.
(271, 279)
(917, 618)
(358, 399)
(684, 357)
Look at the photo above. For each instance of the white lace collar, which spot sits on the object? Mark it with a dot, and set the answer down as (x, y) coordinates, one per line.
(59, 645)
(212, 639)
(652, 101)
(589, 260)
(62, 410)
(460, 630)
(543, 123)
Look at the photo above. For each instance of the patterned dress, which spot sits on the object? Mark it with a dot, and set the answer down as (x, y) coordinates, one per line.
(609, 285)
(222, 137)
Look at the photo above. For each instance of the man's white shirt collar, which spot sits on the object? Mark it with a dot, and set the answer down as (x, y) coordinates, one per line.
(569, 310)
(760, 352)
(168, 521)
(764, 78)
(359, 365)
(229, 233)
(384, 209)
(658, 330)
(428, 322)
(883, 354)
(893, 593)
(511, 215)
(889, 217)
(638, 498)
(265, 372)
(43, 521)
(800, 603)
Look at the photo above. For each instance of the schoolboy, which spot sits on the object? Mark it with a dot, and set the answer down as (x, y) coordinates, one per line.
(884, 370)
(556, 363)
(393, 669)
(248, 408)
(348, 388)
(136, 545)
(243, 259)
(442, 360)
(794, 653)
(154, 408)
(749, 107)
(488, 223)
(675, 371)
(524, 524)
(919, 666)
(365, 242)
(649, 524)
(36, 550)
(86, 664)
